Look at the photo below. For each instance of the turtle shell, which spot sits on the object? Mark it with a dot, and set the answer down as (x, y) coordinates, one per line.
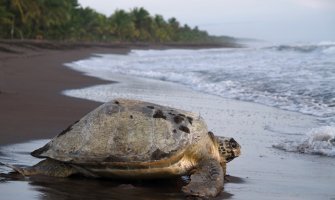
(126, 131)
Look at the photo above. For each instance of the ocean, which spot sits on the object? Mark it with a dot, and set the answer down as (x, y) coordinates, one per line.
(293, 77)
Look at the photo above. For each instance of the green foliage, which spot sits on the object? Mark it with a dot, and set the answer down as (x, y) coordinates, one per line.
(67, 20)
(122, 26)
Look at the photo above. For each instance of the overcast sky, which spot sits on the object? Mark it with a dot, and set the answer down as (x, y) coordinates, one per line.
(271, 20)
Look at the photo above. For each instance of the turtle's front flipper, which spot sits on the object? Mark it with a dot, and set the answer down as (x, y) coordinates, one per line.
(46, 167)
(207, 180)
(13, 167)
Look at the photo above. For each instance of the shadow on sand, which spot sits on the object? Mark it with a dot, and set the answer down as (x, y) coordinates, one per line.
(75, 188)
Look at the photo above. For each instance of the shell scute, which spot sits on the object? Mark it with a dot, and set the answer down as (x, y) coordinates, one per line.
(126, 131)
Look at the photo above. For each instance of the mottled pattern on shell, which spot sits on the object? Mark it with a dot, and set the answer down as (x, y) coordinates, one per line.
(126, 131)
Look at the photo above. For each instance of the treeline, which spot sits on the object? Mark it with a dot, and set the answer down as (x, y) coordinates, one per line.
(66, 20)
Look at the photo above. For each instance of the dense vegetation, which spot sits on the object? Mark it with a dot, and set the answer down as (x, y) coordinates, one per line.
(67, 20)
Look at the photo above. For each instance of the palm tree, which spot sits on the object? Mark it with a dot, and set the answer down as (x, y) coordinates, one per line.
(5, 15)
(173, 29)
(141, 18)
(143, 23)
(52, 14)
(173, 22)
(6, 19)
(161, 33)
(22, 12)
(123, 25)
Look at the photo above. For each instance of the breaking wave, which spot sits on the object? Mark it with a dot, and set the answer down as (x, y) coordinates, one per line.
(325, 47)
(320, 141)
(290, 80)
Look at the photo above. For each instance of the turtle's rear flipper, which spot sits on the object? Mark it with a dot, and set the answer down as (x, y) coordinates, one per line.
(206, 181)
(47, 167)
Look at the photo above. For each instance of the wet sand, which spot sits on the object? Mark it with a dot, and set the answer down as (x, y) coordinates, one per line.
(31, 83)
(261, 172)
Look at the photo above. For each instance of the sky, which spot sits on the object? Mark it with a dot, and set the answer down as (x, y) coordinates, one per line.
(270, 20)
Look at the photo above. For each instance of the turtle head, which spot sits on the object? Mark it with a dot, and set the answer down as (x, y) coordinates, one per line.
(228, 148)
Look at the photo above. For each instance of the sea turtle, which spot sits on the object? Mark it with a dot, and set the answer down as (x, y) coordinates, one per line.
(133, 139)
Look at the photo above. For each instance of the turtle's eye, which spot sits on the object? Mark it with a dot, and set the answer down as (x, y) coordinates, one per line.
(233, 143)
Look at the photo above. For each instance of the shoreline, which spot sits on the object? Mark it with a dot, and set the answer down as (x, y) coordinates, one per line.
(33, 76)
(24, 46)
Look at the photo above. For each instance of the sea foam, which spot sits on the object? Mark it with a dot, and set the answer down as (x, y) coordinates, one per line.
(319, 141)
(291, 77)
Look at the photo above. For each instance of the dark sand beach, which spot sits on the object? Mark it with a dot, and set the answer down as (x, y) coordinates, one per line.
(31, 82)
(33, 107)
